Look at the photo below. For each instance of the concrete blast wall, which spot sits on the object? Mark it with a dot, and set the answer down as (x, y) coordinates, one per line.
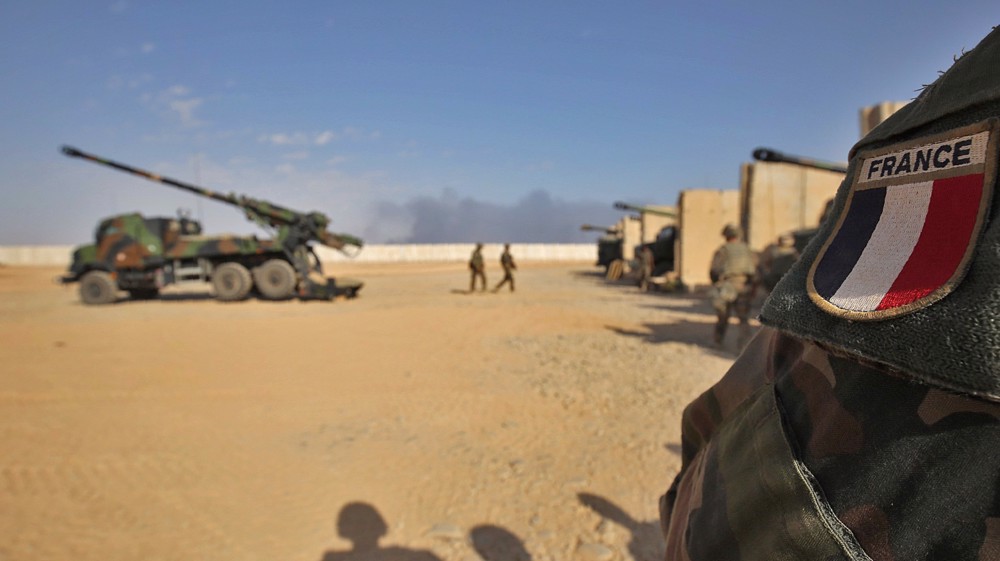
(702, 214)
(778, 198)
(873, 115)
(631, 229)
(60, 255)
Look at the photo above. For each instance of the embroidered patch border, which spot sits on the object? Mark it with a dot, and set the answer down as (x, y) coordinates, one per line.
(913, 218)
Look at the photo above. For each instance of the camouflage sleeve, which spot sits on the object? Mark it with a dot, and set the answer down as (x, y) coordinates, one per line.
(800, 454)
(718, 264)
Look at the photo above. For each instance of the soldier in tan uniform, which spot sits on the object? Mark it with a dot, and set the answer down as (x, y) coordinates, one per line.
(863, 421)
(508, 265)
(646, 262)
(477, 268)
(732, 275)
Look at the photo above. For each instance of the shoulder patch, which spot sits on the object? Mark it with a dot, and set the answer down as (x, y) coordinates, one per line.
(910, 225)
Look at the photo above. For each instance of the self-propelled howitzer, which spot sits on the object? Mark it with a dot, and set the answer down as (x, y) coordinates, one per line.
(609, 246)
(142, 255)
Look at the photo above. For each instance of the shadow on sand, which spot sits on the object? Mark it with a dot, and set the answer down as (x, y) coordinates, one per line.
(494, 543)
(646, 543)
(690, 332)
(363, 526)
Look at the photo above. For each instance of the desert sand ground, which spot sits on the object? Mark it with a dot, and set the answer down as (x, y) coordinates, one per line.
(414, 422)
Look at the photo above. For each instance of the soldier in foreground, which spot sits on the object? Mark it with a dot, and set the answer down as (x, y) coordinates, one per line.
(732, 275)
(863, 421)
(477, 268)
(507, 262)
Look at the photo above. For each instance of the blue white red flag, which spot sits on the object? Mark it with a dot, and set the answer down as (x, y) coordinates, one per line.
(909, 228)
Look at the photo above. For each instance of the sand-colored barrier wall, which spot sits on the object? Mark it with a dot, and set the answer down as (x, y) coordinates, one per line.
(780, 198)
(59, 255)
(702, 213)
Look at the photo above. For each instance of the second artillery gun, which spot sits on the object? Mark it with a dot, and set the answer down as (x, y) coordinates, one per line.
(662, 247)
(141, 255)
(609, 245)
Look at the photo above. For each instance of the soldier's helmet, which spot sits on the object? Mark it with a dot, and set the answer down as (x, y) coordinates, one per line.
(730, 231)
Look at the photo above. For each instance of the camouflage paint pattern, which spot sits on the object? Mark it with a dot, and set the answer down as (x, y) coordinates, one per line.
(129, 241)
(799, 453)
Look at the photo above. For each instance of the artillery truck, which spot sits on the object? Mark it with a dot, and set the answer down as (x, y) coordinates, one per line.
(141, 255)
(663, 245)
(609, 245)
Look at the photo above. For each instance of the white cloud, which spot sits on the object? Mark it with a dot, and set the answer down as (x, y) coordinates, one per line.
(147, 48)
(296, 155)
(325, 137)
(175, 101)
(285, 168)
(283, 139)
(185, 110)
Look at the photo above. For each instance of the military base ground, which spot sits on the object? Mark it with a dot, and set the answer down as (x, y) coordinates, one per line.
(482, 426)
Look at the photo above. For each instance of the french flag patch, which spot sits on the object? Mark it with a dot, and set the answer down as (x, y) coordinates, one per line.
(909, 228)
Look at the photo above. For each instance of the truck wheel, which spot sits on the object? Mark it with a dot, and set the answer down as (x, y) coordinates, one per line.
(97, 287)
(231, 282)
(275, 279)
(144, 293)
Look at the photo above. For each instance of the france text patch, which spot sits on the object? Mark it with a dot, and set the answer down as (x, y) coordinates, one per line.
(909, 227)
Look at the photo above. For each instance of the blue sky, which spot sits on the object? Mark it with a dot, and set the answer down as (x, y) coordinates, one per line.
(510, 112)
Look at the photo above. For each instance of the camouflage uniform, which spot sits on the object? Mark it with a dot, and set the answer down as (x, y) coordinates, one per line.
(864, 422)
(801, 453)
(646, 261)
(732, 274)
(477, 267)
(776, 260)
(507, 262)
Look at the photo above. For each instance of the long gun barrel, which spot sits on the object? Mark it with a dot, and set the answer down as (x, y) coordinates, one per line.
(635, 208)
(592, 228)
(769, 155)
(301, 227)
(229, 199)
